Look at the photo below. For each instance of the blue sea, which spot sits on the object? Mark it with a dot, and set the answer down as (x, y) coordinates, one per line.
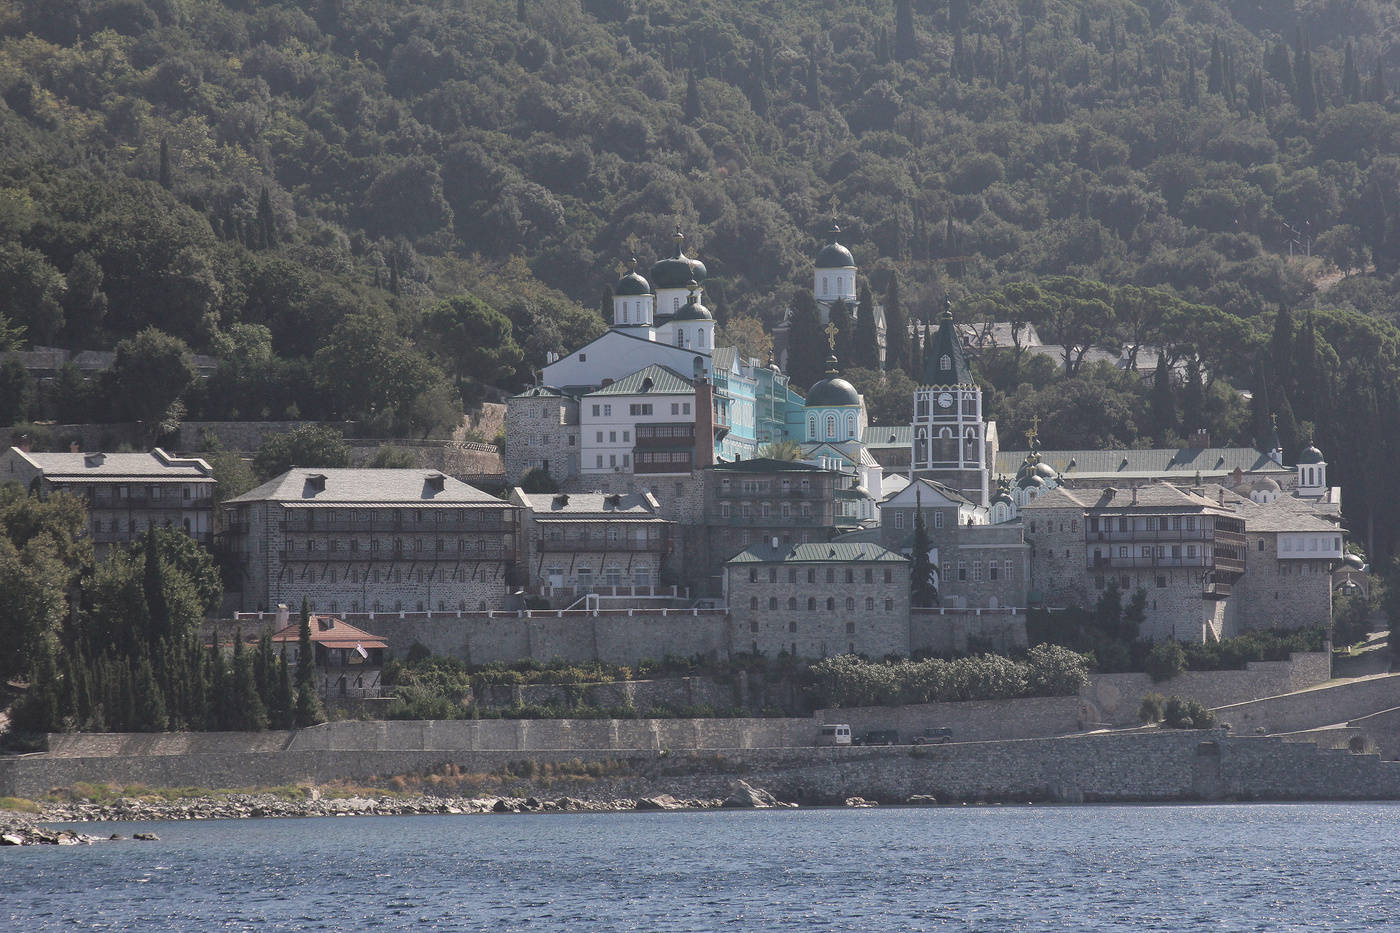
(1211, 867)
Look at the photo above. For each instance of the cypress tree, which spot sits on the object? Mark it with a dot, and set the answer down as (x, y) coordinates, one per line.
(267, 220)
(865, 345)
(1288, 429)
(1351, 78)
(281, 710)
(1163, 402)
(197, 711)
(1215, 71)
(1306, 377)
(150, 712)
(165, 163)
(308, 711)
(1378, 92)
(1193, 399)
(896, 328)
(1281, 350)
(1306, 97)
(839, 317)
(807, 346)
(692, 97)
(814, 87)
(218, 709)
(905, 41)
(153, 590)
(248, 706)
(922, 592)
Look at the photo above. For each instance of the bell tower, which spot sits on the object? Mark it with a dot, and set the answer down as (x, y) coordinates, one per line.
(950, 434)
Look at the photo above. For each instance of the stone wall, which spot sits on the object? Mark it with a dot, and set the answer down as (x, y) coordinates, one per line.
(956, 631)
(642, 695)
(1151, 765)
(618, 637)
(970, 721)
(1113, 699)
(1321, 706)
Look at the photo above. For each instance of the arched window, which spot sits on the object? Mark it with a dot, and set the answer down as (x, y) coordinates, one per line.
(870, 602)
(850, 602)
(945, 362)
(945, 433)
(825, 286)
(850, 425)
(830, 604)
(753, 602)
(830, 426)
(792, 602)
(811, 604)
(811, 427)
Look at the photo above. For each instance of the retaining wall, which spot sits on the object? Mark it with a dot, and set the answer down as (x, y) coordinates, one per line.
(973, 720)
(1321, 706)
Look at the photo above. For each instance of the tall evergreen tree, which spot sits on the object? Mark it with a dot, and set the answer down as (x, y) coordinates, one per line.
(1193, 399)
(842, 329)
(1306, 96)
(896, 328)
(814, 84)
(1215, 71)
(922, 592)
(308, 711)
(1163, 402)
(906, 44)
(692, 97)
(153, 590)
(267, 220)
(1378, 92)
(807, 346)
(1351, 78)
(164, 176)
(247, 704)
(865, 343)
(1281, 351)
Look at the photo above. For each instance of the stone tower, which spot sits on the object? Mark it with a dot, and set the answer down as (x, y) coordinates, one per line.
(950, 435)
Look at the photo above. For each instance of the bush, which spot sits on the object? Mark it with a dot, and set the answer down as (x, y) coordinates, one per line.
(851, 681)
(1166, 660)
(1187, 714)
(1150, 710)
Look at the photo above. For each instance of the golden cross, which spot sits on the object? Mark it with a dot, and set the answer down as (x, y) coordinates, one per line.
(1034, 431)
(831, 331)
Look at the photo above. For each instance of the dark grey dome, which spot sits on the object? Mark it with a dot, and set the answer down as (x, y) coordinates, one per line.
(632, 284)
(1310, 456)
(678, 269)
(692, 310)
(834, 256)
(831, 391)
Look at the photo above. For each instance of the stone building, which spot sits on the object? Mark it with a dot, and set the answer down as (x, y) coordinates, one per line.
(757, 500)
(977, 564)
(348, 662)
(371, 540)
(610, 544)
(1291, 551)
(542, 432)
(819, 600)
(125, 493)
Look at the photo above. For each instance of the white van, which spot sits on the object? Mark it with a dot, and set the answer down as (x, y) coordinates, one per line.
(836, 733)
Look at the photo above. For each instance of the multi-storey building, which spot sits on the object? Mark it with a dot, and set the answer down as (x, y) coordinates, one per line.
(818, 600)
(125, 493)
(356, 540)
(542, 432)
(626, 423)
(610, 544)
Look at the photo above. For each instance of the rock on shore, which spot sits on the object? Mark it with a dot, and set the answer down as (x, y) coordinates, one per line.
(32, 834)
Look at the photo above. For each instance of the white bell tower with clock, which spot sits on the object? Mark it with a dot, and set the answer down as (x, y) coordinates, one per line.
(950, 442)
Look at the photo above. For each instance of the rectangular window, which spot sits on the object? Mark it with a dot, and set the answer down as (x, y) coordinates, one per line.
(626, 459)
(724, 510)
(675, 408)
(595, 411)
(898, 519)
(992, 570)
(962, 570)
(612, 437)
(612, 460)
(600, 461)
(977, 571)
(600, 437)
(1161, 582)
(938, 519)
(626, 437)
(685, 408)
(607, 411)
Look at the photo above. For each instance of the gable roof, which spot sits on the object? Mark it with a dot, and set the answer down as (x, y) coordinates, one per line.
(1286, 514)
(98, 467)
(653, 379)
(310, 487)
(881, 436)
(1179, 463)
(640, 506)
(330, 632)
(924, 486)
(765, 465)
(834, 551)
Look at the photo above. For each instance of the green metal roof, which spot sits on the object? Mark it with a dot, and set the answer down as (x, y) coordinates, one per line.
(649, 380)
(1180, 464)
(766, 465)
(815, 553)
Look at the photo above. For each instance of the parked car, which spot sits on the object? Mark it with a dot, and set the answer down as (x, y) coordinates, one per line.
(878, 737)
(834, 733)
(934, 737)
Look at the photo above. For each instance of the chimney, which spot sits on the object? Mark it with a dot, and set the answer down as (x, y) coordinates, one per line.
(282, 614)
(73, 448)
(94, 460)
(437, 482)
(25, 443)
(704, 424)
(317, 482)
(1134, 494)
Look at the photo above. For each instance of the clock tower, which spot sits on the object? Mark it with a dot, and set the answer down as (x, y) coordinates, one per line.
(952, 444)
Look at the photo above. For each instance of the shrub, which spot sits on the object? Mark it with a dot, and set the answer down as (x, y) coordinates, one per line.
(1151, 708)
(1187, 714)
(1166, 660)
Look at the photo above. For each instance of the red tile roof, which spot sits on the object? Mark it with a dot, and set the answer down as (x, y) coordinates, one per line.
(332, 633)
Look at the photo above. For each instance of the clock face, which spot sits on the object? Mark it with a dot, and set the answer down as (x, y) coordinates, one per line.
(945, 400)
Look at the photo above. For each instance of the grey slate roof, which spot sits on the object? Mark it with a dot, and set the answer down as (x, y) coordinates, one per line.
(1285, 514)
(368, 487)
(1150, 496)
(1182, 464)
(632, 505)
(946, 343)
(663, 381)
(814, 553)
(105, 467)
(765, 465)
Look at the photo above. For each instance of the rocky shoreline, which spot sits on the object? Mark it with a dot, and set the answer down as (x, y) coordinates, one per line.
(18, 829)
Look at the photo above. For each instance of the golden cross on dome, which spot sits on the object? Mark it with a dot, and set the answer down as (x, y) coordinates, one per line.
(1034, 431)
(831, 331)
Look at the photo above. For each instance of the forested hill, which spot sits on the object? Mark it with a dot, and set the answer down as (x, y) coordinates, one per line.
(295, 186)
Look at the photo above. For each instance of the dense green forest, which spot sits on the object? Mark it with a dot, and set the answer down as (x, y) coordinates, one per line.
(379, 211)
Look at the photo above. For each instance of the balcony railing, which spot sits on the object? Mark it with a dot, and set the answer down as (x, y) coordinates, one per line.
(390, 554)
(769, 494)
(446, 526)
(1183, 534)
(575, 545)
(768, 521)
(1139, 561)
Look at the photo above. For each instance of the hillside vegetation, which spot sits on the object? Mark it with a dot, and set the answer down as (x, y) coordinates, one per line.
(378, 211)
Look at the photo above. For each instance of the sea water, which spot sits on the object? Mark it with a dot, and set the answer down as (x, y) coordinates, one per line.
(1210, 867)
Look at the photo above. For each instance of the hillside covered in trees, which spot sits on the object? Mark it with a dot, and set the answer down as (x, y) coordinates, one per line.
(378, 211)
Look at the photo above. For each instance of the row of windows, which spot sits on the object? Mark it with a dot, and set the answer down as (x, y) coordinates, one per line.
(612, 576)
(416, 545)
(936, 523)
(792, 629)
(765, 510)
(311, 517)
(868, 575)
(812, 603)
(547, 440)
(831, 427)
(660, 456)
(1146, 523)
(612, 460)
(1287, 544)
(318, 574)
(763, 486)
(380, 605)
(612, 437)
(1007, 571)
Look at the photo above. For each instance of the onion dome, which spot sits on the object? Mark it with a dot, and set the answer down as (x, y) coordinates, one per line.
(833, 255)
(632, 284)
(833, 390)
(693, 310)
(1003, 494)
(773, 364)
(1353, 562)
(679, 269)
(1310, 456)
